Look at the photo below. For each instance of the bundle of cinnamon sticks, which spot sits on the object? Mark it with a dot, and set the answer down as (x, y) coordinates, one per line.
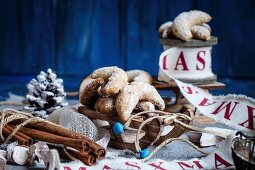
(77, 145)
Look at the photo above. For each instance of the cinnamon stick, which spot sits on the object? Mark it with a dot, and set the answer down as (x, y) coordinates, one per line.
(48, 137)
(98, 150)
(30, 140)
(88, 159)
(84, 150)
(15, 137)
(55, 129)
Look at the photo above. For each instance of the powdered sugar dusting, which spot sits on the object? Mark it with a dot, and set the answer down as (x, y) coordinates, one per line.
(117, 78)
(131, 94)
(139, 76)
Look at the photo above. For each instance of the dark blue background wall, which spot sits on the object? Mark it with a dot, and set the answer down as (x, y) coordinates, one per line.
(74, 37)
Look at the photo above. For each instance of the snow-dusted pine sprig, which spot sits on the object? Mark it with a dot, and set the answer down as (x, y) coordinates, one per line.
(45, 94)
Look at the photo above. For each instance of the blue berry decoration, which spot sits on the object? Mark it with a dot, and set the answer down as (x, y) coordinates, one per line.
(118, 128)
(144, 153)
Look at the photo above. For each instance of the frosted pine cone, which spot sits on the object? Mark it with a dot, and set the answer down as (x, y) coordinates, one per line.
(46, 94)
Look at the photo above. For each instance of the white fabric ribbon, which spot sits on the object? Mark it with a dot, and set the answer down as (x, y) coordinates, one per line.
(237, 111)
(219, 159)
(186, 63)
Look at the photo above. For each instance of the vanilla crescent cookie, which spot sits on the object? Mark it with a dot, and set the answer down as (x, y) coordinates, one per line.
(84, 83)
(132, 93)
(182, 24)
(166, 30)
(145, 106)
(139, 76)
(200, 32)
(115, 77)
(89, 91)
(105, 105)
(206, 26)
(165, 26)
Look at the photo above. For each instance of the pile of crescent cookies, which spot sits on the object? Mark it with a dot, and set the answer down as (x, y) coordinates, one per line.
(187, 25)
(112, 91)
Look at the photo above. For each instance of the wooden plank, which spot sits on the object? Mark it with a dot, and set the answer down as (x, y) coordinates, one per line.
(146, 140)
(148, 137)
(200, 119)
(176, 132)
(234, 25)
(27, 32)
(144, 18)
(87, 36)
(76, 37)
(129, 146)
(117, 142)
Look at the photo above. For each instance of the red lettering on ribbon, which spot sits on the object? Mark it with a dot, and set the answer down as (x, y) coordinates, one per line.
(220, 161)
(67, 168)
(133, 165)
(206, 102)
(189, 90)
(228, 111)
(201, 60)
(106, 167)
(82, 168)
(164, 63)
(182, 62)
(251, 117)
(157, 166)
(184, 165)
